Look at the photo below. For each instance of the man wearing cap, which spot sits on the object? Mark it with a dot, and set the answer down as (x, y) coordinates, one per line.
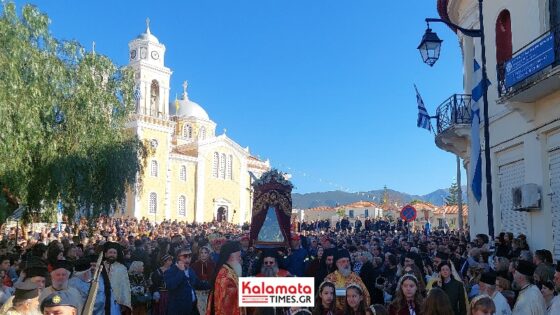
(223, 299)
(530, 300)
(25, 301)
(59, 303)
(34, 271)
(344, 276)
(104, 299)
(60, 274)
(296, 262)
(118, 275)
(487, 285)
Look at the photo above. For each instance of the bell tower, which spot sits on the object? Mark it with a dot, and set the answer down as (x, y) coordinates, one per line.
(146, 57)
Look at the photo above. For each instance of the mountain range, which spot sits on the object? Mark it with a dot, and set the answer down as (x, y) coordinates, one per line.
(334, 198)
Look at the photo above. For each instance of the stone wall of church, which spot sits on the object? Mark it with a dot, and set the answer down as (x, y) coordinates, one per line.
(218, 189)
(180, 187)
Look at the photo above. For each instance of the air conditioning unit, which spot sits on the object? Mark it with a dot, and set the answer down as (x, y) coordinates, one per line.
(526, 197)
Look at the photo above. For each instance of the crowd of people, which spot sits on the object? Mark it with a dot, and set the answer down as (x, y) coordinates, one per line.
(180, 268)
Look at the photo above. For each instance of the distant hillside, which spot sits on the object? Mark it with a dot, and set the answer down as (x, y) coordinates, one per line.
(334, 198)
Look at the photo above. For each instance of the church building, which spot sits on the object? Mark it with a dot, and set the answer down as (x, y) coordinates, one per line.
(191, 174)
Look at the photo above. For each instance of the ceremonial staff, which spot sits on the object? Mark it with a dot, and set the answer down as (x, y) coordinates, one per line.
(92, 294)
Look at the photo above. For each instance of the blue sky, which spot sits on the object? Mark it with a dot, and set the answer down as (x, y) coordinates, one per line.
(322, 88)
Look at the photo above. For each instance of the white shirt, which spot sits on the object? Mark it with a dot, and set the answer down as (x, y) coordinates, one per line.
(554, 308)
(529, 302)
(502, 306)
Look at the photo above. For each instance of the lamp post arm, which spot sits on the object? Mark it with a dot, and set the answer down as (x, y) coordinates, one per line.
(468, 32)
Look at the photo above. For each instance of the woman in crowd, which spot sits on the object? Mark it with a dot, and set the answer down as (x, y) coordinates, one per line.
(453, 288)
(138, 288)
(482, 305)
(437, 303)
(325, 299)
(548, 293)
(355, 302)
(408, 300)
(158, 287)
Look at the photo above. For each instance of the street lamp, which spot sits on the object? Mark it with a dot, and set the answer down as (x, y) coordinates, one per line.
(429, 47)
(429, 50)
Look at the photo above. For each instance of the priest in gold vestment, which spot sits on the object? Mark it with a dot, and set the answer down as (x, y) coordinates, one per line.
(223, 299)
(342, 277)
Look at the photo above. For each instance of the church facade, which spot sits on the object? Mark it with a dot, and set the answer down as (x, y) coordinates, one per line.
(191, 173)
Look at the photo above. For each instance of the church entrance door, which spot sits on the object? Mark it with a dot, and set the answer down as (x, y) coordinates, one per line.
(222, 214)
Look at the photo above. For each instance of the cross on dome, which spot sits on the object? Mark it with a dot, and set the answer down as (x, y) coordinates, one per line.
(185, 86)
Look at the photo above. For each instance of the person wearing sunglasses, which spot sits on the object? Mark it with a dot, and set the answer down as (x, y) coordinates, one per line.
(270, 266)
(181, 282)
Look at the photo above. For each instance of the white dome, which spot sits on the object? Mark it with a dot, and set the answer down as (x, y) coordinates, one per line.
(149, 37)
(188, 108)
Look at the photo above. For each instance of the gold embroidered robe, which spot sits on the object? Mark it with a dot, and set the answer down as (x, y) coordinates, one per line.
(225, 294)
(341, 282)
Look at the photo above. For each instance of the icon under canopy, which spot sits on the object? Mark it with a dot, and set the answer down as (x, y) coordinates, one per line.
(272, 211)
(270, 231)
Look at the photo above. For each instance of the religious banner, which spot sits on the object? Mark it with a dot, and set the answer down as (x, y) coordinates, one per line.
(272, 211)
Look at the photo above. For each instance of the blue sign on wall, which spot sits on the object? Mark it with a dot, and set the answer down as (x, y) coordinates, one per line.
(530, 61)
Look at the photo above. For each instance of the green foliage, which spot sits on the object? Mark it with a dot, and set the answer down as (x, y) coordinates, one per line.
(453, 197)
(341, 212)
(63, 113)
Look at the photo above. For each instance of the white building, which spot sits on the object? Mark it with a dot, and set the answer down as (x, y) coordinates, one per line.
(524, 112)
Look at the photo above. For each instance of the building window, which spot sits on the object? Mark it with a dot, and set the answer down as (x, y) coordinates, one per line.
(183, 173)
(229, 167)
(153, 203)
(154, 168)
(187, 131)
(182, 206)
(154, 98)
(366, 214)
(215, 164)
(351, 213)
(223, 166)
(202, 133)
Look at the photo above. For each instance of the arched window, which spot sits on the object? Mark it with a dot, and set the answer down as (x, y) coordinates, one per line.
(215, 164)
(187, 131)
(223, 166)
(154, 98)
(202, 133)
(153, 203)
(503, 37)
(229, 167)
(154, 168)
(183, 173)
(182, 206)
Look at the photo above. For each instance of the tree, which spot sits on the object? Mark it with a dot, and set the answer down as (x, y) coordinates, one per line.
(64, 113)
(453, 197)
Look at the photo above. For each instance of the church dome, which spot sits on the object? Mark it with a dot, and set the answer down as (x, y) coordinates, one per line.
(187, 108)
(147, 35)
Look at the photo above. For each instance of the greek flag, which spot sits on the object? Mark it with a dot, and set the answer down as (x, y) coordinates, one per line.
(423, 117)
(476, 165)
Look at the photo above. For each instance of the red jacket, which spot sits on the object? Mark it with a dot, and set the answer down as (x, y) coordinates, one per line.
(204, 270)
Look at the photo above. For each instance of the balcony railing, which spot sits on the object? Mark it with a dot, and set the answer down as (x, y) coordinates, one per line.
(151, 112)
(455, 110)
(503, 89)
